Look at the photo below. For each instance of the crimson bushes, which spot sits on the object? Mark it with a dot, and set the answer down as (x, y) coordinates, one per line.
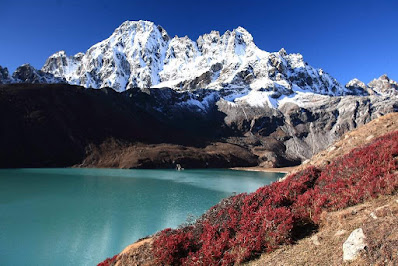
(241, 227)
(108, 261)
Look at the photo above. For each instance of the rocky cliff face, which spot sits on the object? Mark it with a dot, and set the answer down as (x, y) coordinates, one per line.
(5, 77)
(28, 74)
(293, 131)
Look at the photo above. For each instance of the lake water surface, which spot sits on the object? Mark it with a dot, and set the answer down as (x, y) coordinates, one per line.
(82, 216)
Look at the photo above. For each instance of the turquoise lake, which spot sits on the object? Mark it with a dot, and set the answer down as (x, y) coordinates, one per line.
(82, 216)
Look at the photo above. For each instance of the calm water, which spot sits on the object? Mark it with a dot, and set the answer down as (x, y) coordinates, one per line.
(82, 216)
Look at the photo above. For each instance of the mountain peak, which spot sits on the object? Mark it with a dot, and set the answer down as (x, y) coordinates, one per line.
(242, 34)
(282, 52)
(384, 85)
(129, 29)
(141, 54)
(384, 77)
(59, 53)
(356, 82)
(242, 31)
(357, 87)
(143, 24)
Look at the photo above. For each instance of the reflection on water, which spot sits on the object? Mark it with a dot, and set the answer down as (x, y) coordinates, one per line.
(81, 216)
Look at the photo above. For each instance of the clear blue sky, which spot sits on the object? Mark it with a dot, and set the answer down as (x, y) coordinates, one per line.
(346, 38)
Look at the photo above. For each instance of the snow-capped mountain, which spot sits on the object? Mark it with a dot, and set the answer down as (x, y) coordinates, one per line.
(358, 87)
(28, 74)
(382, 86)
(216, 66)
(141, 54)
(5, 77)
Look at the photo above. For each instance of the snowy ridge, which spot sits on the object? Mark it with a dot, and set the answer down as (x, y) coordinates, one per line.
(28, 74)
(380, 86)
(384, 85)
(141, 54)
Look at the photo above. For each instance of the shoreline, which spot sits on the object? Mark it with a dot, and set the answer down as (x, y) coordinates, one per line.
(283, 170)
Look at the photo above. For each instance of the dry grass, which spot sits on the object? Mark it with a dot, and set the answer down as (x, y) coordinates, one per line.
(325, 247)
(139, 253)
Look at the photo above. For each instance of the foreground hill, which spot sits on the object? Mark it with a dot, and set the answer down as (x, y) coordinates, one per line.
(50, 125)
(242, 227)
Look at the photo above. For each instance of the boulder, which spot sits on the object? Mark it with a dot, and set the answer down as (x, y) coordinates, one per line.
(354, 244)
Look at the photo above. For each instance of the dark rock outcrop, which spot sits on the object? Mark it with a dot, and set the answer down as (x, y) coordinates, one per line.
(28, 74)
(5, 77)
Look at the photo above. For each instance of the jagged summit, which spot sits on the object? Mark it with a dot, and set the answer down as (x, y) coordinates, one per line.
(382, 85)
(28, 74)
(357, 87)
(5, 77)
(142, 54)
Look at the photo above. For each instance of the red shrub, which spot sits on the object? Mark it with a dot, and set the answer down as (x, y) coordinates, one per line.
(241, 227)
(108, 261)
(172, 246)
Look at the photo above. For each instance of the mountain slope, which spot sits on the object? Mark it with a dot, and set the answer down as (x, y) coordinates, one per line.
(65, 125)
(61, 125)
